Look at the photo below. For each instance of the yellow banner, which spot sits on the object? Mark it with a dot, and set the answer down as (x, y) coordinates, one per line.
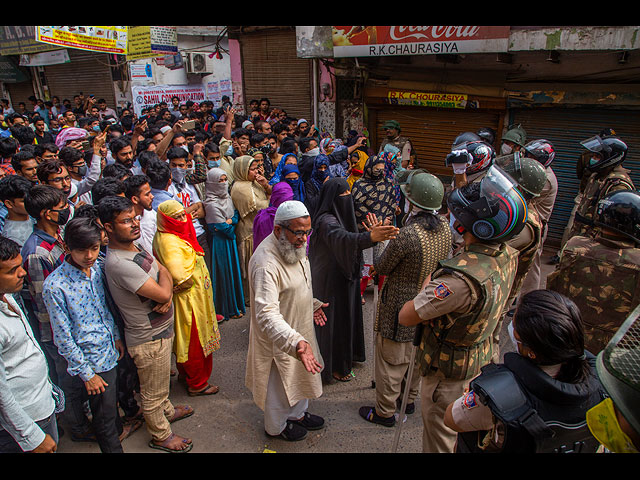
(423, 99)
(105, 39)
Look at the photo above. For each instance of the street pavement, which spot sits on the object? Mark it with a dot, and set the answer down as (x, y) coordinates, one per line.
(229, 422)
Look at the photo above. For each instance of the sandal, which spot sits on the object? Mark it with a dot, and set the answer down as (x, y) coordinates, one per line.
(163, 446)
(181, 411)
(129, 427)
(208, 390)
(347, 378)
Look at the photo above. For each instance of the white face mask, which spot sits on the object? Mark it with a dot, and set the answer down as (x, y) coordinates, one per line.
(513, 337)
(314, 151)
(506, 149)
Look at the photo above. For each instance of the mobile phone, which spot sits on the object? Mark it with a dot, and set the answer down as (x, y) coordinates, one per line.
(189, 125)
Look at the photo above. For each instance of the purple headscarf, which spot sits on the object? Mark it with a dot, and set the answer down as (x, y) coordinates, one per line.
(263, 222)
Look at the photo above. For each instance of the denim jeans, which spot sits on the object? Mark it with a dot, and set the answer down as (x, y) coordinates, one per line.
(48, 425)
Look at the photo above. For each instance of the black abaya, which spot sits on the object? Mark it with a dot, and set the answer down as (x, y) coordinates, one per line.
(335, 254)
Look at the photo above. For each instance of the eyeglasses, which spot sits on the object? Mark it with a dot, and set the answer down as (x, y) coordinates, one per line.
(130, 220)
(300, 233)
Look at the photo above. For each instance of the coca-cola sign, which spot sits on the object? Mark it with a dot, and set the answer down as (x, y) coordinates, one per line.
(368, 41)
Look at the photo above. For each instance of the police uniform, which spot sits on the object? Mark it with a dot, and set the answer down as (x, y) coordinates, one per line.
(602, 276)
(599, 185)
(519, 407)
(460, 307)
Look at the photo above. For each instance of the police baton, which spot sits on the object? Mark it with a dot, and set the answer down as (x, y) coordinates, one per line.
(376, 281)
(407, 386)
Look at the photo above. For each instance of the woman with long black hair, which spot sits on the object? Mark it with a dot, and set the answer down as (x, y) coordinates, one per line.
(536, 401)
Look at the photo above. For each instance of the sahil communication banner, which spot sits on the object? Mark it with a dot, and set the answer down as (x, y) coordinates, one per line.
(368, 41)
(149, 96)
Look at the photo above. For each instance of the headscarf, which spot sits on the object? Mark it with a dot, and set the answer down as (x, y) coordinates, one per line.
(168, 224)
(277, 176)
(69, 134)
(218, 205)
(390, 171)
(331, 203)
(319, 176)
(296, 185)
(263, 223)
(358, 169)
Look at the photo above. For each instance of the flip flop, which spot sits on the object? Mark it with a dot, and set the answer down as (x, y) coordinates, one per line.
(187, 412)
(208, 390)
(129, 427)
(347, 378)
(164, 448)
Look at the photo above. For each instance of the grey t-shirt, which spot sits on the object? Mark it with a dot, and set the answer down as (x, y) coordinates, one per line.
(126, 272)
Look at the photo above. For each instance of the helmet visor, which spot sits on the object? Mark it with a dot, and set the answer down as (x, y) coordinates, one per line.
(595, 144)
(508, 206)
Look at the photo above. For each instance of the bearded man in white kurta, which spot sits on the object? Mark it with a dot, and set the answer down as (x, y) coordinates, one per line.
(283, 358)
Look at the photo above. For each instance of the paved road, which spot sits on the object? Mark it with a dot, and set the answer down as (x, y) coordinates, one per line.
(229, 422)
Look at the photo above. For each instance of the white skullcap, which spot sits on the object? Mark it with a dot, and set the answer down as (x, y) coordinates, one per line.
(246, 123)
(289, 210)
(302, 120)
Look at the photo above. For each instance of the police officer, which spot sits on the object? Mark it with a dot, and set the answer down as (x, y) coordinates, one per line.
(514, 139)
(461, 303)
(543, 151)
(531, 179)
(403, 144)
(615, 421)
(602, 273)
(407, 260)
(537, 400)
(607, 176)
(470, 158)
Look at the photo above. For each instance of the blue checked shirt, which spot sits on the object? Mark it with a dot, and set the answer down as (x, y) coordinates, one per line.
(83, 328)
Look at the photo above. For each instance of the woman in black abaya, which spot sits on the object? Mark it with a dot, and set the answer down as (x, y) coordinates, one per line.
(335, 254)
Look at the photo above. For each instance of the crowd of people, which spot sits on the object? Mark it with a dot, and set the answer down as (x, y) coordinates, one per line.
(127, 240)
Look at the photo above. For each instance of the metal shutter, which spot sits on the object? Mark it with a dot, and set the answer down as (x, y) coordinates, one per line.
(432, 131)
(88, 72)
(271, 69)
(565, 128)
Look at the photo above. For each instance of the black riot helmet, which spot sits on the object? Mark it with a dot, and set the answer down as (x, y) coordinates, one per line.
(478, 155)
(620, 211)
(464, 138)
(487, 134)
(492, 209)
(611, 151)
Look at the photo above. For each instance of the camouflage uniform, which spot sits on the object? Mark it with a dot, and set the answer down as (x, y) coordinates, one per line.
(598, 185)
(602, 276)
(464, 302)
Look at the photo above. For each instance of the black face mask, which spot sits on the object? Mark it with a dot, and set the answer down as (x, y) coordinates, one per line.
(63, 216)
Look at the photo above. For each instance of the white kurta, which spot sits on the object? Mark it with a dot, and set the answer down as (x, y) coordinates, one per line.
(282, 307)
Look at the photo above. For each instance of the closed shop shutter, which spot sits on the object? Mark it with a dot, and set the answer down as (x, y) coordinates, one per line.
(87, 72)
(432, 131)
(565, 128)
(271, 69)
(20, 92)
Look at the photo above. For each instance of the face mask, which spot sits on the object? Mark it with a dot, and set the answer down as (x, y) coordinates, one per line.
(265, 149)
(593, 161)
(314, 151)
(82, 171)
(178, 174)
(604, 425)
(96, 128)
(63, 216)
(230, 151)
(213, 163)
(506, 149)
(513, 337)
(185, 147)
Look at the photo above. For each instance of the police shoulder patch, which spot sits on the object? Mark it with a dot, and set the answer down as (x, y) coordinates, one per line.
(469, 400)
(441, 291)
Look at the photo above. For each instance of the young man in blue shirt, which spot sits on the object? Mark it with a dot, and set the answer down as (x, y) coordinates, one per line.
(85, 332)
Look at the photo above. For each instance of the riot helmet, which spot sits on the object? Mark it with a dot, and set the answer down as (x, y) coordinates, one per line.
(542, 150)
(423, 190)
(479, 155)
(492, 209)
(464, 138)
(487, 134)
(528, 173)
(515, 135)
(620, 211)
(611, 151)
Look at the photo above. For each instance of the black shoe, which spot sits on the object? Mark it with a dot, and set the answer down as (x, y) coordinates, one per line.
(409, 409)
(292, 432)
(370, 415)
(310, 421)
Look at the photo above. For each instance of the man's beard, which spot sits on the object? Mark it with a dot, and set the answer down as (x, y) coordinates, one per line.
(289, 252)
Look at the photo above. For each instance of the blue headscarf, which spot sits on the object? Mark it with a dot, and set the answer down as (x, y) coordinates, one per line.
(296, 185)
(277, 175)
(319, 176)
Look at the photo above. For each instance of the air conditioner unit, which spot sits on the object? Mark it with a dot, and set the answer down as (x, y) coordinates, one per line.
(199, 62)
